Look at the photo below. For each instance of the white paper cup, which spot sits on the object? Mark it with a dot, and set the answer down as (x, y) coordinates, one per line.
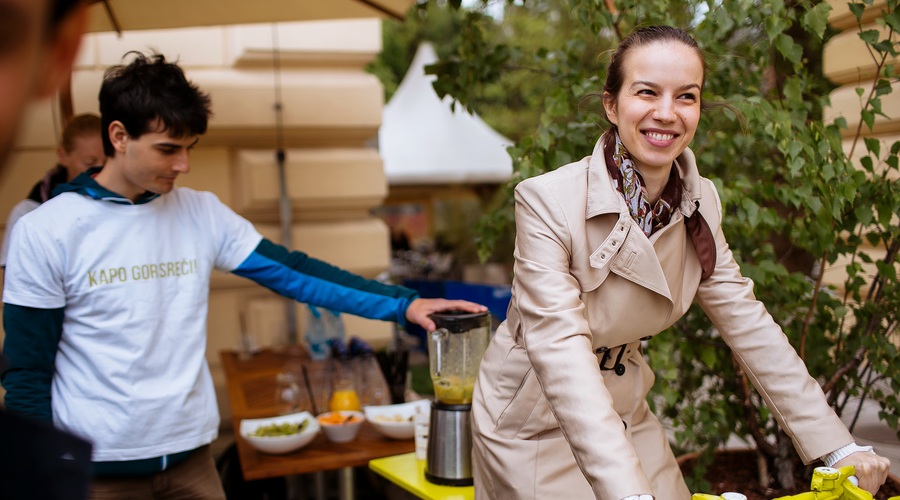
(422, 422)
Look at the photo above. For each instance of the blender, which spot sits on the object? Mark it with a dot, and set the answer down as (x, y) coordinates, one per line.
(455, 349)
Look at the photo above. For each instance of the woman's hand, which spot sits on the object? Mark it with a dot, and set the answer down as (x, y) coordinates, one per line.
(871, 469)
(419, 310)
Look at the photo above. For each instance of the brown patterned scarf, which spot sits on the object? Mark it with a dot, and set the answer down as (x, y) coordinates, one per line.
(628, 181)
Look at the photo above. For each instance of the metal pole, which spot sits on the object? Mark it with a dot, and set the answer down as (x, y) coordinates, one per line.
(284, 200)
(345, 483)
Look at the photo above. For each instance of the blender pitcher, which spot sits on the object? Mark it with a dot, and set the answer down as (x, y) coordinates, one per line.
(455, 349)
(454, 354)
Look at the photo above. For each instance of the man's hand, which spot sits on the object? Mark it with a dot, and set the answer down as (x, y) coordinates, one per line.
(871, 469)
(420, 309)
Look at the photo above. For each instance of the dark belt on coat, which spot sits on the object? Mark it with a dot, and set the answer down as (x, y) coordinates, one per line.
(606, 356)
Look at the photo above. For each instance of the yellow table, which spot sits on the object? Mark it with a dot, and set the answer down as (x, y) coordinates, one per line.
(408, 473)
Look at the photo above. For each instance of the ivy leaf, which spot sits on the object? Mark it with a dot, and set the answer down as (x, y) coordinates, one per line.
(885, 214)
(869, 36)
(752, 210)
(863, 214)
(775, 26)
(892, 19)
(884, 47)
(883, 87)
(875, 103)
(868, 118)
(841, 122)
(708, 356)
(794, 148)
(828, 171)
(814, 204)
(816, 19)
(791, 50)
(886, 270)
(867, 164)
(873, 145)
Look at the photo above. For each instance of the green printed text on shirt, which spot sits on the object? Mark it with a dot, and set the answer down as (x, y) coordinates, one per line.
(140, 272)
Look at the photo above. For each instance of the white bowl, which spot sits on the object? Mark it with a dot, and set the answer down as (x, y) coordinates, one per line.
(280, 444)
(396, 421)
(345, 431)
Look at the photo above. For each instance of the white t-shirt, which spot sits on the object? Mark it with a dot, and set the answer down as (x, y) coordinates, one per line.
(21, 208)
(131, 372)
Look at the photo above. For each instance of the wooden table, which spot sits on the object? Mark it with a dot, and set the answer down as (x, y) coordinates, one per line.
(251, 393)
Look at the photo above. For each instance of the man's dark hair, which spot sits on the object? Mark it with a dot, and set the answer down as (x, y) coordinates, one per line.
(149, 89)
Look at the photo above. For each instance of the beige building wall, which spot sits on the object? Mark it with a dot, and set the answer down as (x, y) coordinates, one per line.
(331, 109)
(848, 63)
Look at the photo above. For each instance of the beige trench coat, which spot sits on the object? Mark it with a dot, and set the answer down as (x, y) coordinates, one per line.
(548, 422)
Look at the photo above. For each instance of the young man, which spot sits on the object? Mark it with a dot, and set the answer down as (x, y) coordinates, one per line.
(80, 148)
(107, 290)
(40, 40)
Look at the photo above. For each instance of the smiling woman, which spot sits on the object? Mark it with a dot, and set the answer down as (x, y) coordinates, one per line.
(610, 251)
(655, 111)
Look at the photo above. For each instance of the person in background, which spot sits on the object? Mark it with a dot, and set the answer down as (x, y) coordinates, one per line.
(40, 39)
(107, 290)
(80, 148)
(610, 251)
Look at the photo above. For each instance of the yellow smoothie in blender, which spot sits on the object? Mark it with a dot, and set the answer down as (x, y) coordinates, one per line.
(452, 390)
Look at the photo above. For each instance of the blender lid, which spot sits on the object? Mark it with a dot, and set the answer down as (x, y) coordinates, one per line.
(460, 321)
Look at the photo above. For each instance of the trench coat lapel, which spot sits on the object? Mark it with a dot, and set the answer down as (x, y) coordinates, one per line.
(626, 251)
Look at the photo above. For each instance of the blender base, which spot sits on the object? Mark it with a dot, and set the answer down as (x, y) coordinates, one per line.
(449, 456)
(443, 481)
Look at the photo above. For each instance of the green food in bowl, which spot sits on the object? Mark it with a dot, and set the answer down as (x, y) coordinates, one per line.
(285, 429)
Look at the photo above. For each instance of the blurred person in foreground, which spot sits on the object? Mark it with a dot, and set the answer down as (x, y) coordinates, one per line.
(610, 251)
(80, 148)
(40, 39)
(38, 43)
(107, 291)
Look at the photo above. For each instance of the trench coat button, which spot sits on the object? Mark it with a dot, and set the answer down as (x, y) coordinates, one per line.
(614, 243)
(600, 350)
(620, 370)
(602, 255)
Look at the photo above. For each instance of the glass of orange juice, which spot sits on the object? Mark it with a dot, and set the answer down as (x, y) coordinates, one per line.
(344, 397)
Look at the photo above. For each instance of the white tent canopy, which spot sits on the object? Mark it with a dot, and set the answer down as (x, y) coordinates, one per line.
(423, 142)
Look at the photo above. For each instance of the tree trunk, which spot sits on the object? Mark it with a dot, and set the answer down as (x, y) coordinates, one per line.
(762, 468)
(785, 465)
